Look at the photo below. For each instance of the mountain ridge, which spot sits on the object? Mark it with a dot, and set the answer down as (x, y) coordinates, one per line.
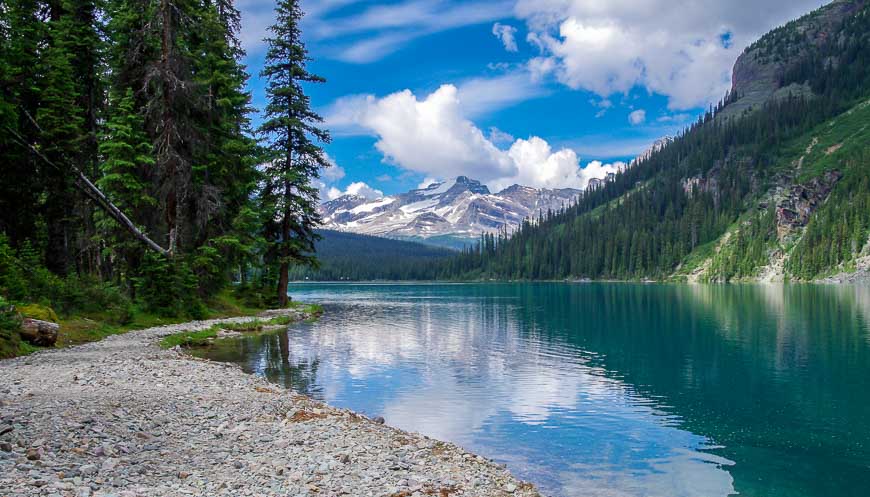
(449, 213)
(773, 184)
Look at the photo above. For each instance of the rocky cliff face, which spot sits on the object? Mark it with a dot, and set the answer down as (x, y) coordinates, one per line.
(461, 209)
(758, 72)
(801, 201)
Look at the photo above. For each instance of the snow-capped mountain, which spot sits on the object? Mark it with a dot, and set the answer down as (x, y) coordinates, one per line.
(449, 213)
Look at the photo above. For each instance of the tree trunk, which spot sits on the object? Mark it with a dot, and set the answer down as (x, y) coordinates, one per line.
(283, 282)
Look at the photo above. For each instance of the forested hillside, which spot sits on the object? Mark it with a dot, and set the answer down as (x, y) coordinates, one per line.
(346, 256)
(770, 184)
(131, 176)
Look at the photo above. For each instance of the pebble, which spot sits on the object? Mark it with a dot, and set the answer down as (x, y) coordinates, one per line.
(123, 418)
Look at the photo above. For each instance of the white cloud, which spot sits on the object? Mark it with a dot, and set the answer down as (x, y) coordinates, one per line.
(432, 136)
(329, 190)
(368, 34)
(507, 35)
(356, 188)
(637, 117)
(479, 96)
(483, 95)
(676, 49)
(332, 173)
(380, 30)
(499, 137)
(426, 182)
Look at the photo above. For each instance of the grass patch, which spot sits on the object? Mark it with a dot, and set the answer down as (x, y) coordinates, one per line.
(84, 327)
(190, 338)
(204, 337)
(696, 259)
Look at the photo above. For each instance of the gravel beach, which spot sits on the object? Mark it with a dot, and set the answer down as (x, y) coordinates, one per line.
(122, 417)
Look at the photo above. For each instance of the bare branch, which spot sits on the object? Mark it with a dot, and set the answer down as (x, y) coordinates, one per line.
(94, 193)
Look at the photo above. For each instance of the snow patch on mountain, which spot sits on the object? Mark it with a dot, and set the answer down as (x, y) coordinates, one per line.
(458, 209)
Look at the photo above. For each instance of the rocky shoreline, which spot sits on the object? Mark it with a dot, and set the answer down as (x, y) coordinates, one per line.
(123, 418)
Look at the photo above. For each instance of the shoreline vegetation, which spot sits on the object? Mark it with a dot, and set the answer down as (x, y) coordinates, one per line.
(197, 427)
(80, 325)
(135, 189)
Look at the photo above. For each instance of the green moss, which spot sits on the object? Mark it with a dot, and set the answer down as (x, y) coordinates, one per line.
(36, 311)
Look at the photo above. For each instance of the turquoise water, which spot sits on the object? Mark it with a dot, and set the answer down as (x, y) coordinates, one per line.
(602, 389)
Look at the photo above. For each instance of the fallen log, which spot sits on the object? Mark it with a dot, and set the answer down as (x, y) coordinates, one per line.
(91, 191)
(38, 332)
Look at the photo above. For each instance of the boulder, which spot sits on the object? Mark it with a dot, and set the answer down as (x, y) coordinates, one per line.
(38, 332)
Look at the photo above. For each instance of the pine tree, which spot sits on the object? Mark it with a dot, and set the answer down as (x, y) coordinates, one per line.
(173, 103)
(296, 159)
(127, 157)
(60, 134)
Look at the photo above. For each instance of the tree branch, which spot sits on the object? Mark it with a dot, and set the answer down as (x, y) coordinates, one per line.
(94, 193)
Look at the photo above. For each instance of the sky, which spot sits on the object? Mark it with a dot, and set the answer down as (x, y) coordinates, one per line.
(544, 93)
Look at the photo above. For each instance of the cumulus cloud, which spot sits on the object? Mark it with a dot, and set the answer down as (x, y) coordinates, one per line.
(330, 176)
(637, 117)
(683, 50)
(356, 188)
(433, 137)
(499, 137)
(507, 34)
(332, 173)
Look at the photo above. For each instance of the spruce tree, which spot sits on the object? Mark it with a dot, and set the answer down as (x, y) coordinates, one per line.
(127, 158)
(60, 134)
(292, 127)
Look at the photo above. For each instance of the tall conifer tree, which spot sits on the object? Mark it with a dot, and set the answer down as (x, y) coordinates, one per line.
(293, 129)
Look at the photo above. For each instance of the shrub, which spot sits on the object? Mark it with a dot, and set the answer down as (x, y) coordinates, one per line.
(13, 284)
(168, 287)
(10, 340)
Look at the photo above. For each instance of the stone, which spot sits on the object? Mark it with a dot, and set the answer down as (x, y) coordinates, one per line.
(33, 455)
(379, 420)
(137, 414)
(109, 464)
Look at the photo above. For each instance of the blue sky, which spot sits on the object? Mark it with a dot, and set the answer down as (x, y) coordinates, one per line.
(547, 93)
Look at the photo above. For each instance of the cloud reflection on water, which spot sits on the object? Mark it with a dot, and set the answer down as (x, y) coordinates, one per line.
(474, 372)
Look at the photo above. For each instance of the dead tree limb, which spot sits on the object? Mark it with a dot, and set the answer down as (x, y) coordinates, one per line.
(99, 198)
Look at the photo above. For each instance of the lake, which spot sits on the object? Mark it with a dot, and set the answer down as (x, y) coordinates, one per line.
(601, 389)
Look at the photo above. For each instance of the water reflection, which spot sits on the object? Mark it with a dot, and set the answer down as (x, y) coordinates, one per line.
(602, 389)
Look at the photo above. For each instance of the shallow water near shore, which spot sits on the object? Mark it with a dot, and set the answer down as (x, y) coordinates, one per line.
(601, 389)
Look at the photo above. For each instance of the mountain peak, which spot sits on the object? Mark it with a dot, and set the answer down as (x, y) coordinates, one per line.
(454, 187)
(459, 208)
